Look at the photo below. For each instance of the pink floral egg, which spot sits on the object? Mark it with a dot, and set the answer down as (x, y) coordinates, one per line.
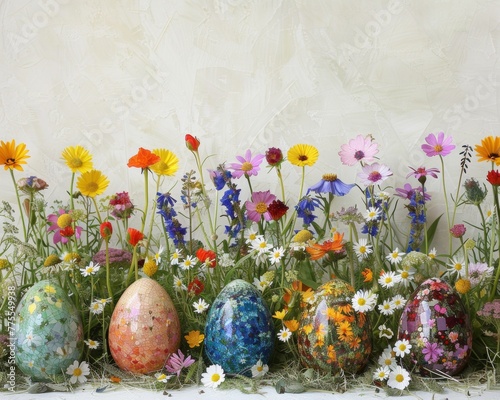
(438, 328)
(144, 328)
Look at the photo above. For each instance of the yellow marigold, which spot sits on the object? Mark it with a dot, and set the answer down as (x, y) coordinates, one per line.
(489, 149)
(462, 286)
(92, 183)
(150, 267)
(12, 156)
(77, 158)
(302, 236)
(51, 260)
(303, 155)
(64, 221)
(72, 257)
(194, 338)
(168, 164)
(292, 324)
(4, 263)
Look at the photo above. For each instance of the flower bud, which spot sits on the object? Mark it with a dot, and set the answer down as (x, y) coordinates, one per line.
(192, 143)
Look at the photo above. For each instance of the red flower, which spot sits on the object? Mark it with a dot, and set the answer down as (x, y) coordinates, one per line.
(277, 209)
(143, 159)
(493, 177)
(274, 156)
(134, 236)
(196, 286)
(67, 232)
(192, 143)
(106, 230)
(207, 257)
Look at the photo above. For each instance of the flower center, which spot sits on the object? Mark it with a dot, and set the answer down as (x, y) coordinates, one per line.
(261, 208)
(64, 221)
(362, 249)
(330, 177)
(359, 155)
(402, 347)
(374, 176)
(77, 372)
(92, 187)
(361, 302)
(388, 361)
(400, 378)
(75, 163)
(438, 148)
(491, 156)
(215, 377)
(303, 157)
(404, 274)
(246, 166)
(10, 161)
(458, 267)
(260, 368)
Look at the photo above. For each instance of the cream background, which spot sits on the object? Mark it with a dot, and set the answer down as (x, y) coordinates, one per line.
(116, 75)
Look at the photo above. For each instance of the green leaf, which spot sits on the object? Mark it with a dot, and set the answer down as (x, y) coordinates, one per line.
(431, 231)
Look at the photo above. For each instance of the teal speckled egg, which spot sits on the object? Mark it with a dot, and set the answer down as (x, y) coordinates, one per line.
(49, 331)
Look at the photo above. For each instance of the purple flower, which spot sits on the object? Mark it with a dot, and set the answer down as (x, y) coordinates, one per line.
(358, 150)
(438, 146)
(52, 218)
(247, 165)
(479, 272)
(177, 362)
(374, 174)
(432, 352)
(329, 183)
(406, 192)
(257, 208)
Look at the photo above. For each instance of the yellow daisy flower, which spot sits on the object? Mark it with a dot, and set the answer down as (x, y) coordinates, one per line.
(78, 159)
(168, 165)
(194, 338)
(12, 156)
(489, 149)
(303, 155)
(92, 183)
(150, 267)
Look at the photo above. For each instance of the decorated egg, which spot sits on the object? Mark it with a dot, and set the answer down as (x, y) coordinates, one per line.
(331, 335)
(239, 329)
(437, 326)
(144, 328)
(49, 331)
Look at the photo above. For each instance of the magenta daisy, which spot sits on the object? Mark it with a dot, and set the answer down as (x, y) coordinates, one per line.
(421, 172)
(407, 192)
(360, 149)
(60, 235)
(257, 207)
(438, 146)
(374, 174)
(247, 165)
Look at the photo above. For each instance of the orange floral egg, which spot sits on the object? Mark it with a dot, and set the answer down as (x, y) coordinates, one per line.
(332, 336)
(144, 328)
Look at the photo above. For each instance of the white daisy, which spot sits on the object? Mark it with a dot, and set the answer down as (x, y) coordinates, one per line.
(78, 372)
(90, 269)
(259, 369)
(93, 344)
(176, 257)
(200, 306)
(456, 265)
(158, 255)
(387, 359)
(381, 373)
(386, 308)
(188, 263)
(406, 276)
(284, 335)
(372, 214)
(276, 255)
(213, 376)
(261, 246)
(363, 249)
(251, 235)
(96, 307)
(388, 279)
(433, 253)
(161, 377)
(178, 285)
(398, 301)
(364, 301)
(399, 378)
(261, 283)
(395, 257)
(402, 347)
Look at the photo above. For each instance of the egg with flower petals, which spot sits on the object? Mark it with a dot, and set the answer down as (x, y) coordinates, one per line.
(48, 331)
(331, 335)
(144, 329)
(239, 331)
(437, 326)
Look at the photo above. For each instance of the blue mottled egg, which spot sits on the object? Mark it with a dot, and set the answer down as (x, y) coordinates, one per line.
(438, 328)
(49, 331)
(239, 330)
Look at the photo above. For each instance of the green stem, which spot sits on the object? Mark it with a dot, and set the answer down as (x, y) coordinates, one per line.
(146, 198)
(446, 203)
(108, 279)
(19, 205)
(497, 210)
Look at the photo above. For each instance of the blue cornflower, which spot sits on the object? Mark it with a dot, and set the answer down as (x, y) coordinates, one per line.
(329, 183)
(305, 209)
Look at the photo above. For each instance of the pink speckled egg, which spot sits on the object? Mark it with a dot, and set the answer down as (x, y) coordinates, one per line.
(144, 328)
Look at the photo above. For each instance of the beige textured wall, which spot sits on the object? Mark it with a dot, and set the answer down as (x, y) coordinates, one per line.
(115, 75)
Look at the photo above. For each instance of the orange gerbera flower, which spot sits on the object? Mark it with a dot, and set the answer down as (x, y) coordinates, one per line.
(134, 236)
(12, 156)
(143, 159)
(367, 275)
(292, 324)
(317, 251)
(489, 149)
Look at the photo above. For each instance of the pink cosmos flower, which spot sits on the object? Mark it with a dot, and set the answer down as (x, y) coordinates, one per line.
(177, 362)
(362, 149)
(422, 172)
(58, 237)
(247, 165)
(432, 352)
(374, 174)
(438, 146)
(257, 208)
(406, 192)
